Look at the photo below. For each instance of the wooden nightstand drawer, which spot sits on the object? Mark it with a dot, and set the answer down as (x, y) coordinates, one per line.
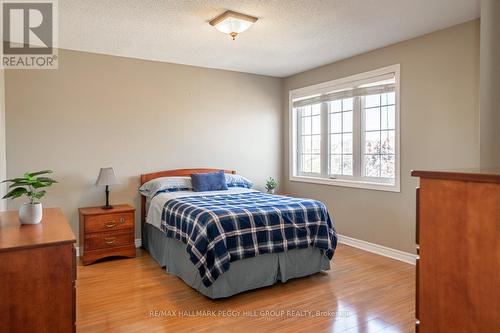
(105, 240)
(99, 223)
(107, 232)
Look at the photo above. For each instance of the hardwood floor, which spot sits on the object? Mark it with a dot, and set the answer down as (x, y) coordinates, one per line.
(363, 292)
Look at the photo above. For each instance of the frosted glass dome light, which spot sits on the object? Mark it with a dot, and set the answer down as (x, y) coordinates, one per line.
(232, 23)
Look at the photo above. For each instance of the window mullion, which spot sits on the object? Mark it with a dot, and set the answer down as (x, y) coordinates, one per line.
(356, 137)
(324, 139)
(298, 151)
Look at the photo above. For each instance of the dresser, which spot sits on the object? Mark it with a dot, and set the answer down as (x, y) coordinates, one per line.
(37, 274)
(458, 247)
(107, 232)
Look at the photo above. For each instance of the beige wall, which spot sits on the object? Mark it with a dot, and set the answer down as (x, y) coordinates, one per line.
(3, 165)
(140, 116)
(490, 84)
(439, 129)
(137, 116)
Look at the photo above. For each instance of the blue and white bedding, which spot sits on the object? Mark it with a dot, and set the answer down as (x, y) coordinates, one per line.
(220, 227)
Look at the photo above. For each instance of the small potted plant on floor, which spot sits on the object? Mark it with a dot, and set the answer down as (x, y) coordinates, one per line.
(271, 185)
(30, 185)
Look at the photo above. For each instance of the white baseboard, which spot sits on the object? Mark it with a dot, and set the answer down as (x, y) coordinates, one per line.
(138, 243)
(409, 258)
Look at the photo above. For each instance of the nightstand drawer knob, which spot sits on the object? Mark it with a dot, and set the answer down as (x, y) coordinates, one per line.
(122, 219)
(110, 224)
(109, 240)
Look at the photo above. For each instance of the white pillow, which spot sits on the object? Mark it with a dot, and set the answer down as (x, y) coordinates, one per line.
(237, 181)
(165, 184)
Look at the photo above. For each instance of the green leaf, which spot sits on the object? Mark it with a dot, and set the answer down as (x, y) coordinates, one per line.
(46, 180)
(14, 180)
(39, 195)
(43, 183)
(16, 193)
(22, 183)
(30, 178)
(39, 184)
(33, 174)
(18, 184)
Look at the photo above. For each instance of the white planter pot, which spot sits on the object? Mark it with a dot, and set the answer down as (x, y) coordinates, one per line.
(30, 213)
(271, 191)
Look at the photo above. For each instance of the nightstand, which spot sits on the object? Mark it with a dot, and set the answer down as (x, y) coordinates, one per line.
(107, 232)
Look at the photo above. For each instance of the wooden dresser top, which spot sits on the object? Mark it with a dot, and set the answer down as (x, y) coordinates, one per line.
(491, 175)
(54, 229)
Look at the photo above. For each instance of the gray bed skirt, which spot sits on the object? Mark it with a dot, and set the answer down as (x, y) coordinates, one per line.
(261, 271)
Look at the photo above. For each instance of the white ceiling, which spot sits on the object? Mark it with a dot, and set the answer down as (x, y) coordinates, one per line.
(290, 36)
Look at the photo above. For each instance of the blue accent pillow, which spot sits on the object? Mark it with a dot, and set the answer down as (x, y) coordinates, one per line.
(212, 181)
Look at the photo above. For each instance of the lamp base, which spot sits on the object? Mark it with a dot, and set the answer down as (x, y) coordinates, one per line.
(107, 205)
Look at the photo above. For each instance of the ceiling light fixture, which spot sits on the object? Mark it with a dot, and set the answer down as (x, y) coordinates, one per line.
(232, 23)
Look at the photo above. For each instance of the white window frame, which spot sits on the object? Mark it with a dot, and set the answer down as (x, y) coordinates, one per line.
(345, 181)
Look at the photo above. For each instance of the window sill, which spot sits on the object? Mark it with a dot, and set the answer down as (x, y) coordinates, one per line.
(347, 183)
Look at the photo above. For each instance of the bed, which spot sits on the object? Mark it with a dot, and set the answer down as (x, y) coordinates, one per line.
(226, 242)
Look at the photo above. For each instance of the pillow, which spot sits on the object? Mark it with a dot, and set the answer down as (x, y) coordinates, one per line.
(237, 181)
(175, 189)
(212, 181)
(165, 184)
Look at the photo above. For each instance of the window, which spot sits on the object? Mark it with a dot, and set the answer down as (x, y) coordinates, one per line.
(346, 132)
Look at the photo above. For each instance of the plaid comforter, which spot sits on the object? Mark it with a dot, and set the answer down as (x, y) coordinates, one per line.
(219, 229)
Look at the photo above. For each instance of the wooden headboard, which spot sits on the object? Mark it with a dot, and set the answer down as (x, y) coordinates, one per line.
(169, 173)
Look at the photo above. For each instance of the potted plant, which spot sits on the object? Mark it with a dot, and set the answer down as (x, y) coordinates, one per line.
(31, 185)
(271, 185)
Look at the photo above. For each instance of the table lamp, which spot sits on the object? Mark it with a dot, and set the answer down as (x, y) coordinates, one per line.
(107, 177)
